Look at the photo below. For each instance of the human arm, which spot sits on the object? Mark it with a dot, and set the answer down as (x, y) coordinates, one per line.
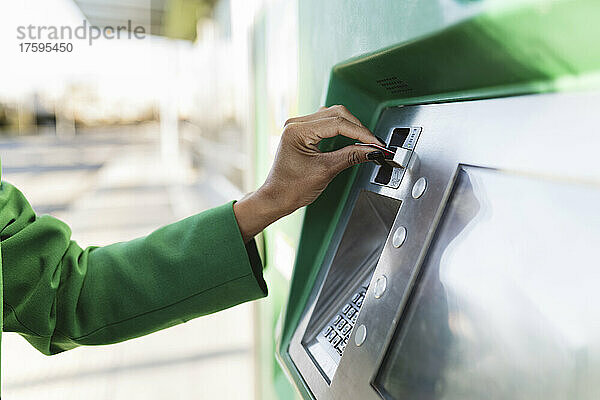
(58, 295)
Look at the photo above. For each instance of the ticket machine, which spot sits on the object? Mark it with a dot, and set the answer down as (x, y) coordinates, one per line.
(472, 270)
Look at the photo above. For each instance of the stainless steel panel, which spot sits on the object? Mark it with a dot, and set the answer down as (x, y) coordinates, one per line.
(519, 320)
(546, 137)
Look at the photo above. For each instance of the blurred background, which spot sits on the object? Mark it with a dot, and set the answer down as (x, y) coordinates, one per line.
(121, 136)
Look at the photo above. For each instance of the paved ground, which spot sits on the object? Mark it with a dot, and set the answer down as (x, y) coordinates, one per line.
(111, 186)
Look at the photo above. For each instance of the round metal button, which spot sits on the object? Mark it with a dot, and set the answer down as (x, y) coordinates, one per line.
(399, 237)
(419, 187)
(380, 285)
(361, 335)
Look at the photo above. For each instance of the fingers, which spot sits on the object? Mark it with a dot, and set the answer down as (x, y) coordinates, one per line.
(333, 126)
(327, 112)
(346, 157)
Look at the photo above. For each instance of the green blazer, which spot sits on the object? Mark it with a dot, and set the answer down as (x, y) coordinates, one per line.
(59, 296)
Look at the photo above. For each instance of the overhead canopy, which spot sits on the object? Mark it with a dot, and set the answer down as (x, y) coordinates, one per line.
(172, 18)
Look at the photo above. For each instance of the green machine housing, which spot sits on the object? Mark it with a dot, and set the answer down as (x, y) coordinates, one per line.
(384, 60)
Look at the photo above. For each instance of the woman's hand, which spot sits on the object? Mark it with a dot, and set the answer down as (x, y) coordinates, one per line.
(300, 171)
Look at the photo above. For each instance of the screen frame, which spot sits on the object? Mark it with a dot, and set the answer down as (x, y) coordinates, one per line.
(416, 281)
(454, 207)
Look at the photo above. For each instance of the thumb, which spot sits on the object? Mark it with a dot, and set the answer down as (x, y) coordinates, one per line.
(348, 157)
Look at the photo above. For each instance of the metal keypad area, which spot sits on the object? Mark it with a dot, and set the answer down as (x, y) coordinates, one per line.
(469, 133)
(336, 334)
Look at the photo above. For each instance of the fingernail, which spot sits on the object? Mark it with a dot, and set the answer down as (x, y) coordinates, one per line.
(380, 140)
(376, 156)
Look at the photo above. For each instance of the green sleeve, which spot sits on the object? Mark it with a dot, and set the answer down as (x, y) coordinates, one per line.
(59, 296)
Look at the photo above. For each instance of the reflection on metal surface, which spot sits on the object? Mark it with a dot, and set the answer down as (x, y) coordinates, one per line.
(507, 303)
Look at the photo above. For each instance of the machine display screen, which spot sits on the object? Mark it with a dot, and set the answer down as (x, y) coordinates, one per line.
(345, 287)
(507, 304)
